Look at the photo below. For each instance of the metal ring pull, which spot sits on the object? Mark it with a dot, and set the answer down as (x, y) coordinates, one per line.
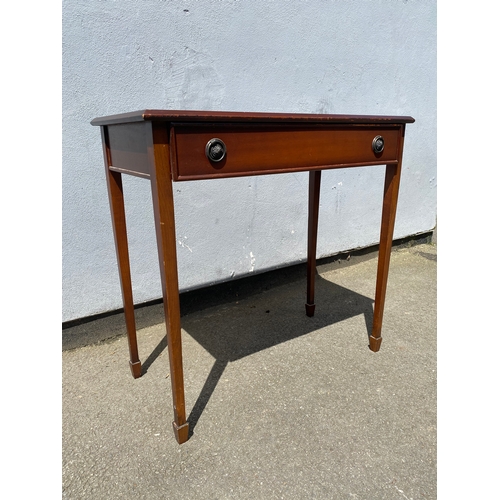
(215, 150)
(378, 144)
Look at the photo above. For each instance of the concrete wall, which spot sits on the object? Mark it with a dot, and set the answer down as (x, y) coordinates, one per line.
(323, 56)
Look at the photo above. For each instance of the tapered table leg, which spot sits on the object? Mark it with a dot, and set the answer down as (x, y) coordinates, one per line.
(312, 236)
(391, 188)
(163, 204)
(115, 193)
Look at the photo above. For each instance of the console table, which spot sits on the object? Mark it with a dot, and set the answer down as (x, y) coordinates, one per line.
(173, 146)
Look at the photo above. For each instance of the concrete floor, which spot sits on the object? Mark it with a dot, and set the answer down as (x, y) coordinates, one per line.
(280, 405)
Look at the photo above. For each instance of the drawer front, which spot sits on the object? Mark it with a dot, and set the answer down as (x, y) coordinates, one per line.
(264, 149)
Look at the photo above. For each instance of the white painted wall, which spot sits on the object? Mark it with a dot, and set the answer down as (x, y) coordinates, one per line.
(322, 56)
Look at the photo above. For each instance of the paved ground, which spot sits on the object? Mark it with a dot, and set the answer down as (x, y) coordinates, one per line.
(281, 405)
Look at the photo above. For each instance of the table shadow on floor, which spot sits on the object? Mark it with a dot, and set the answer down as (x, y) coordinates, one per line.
(244, 327)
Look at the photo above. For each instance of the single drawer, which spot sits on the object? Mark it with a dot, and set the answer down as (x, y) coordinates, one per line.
(264, 149)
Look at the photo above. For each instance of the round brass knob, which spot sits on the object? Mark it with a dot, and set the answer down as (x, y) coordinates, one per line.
(378, 144)
(215, 150)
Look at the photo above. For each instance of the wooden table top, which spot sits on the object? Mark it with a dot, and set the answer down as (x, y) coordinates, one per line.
(247, 117)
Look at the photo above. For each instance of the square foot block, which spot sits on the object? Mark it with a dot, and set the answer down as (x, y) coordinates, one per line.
(375, 343)
(135, 368)
(310, 309)
(181, 432)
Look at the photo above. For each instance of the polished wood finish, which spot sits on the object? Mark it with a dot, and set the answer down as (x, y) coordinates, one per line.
(163, 205)
(312, 237)
(389, 206)
(265, 149)
(117, 208)
(128, 145)
(169, 146)
(171, 116)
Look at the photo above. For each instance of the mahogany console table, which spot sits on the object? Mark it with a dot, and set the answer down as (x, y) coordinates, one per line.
(173, 146)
